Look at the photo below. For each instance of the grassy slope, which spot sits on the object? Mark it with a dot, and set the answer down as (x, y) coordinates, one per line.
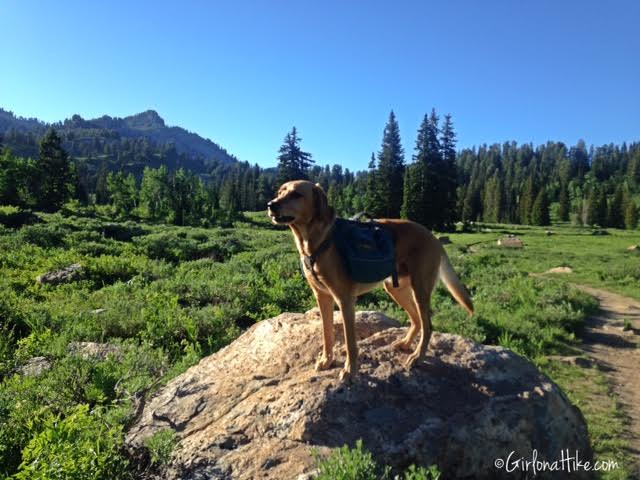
(175, 294)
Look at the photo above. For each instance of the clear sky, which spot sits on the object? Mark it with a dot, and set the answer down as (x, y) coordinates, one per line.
(244, 72)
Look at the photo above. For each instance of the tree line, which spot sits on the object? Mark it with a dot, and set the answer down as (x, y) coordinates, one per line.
(506, 183)
(440, 186)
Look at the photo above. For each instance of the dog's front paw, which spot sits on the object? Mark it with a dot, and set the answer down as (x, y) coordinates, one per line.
(413, 358)
(402, 345)
(324, 363)
(348, 373)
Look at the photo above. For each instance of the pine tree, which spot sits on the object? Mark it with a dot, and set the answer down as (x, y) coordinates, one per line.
(631, 216)
(57, 181)
(633, 169)
(434, 190)
(449, 173)
(615, 213)
(412, 203)
(374, 203)
(565, 205)
(493, 200)
(591, 204)
(540, 211)
(527, 200)
(293, 162)
(416, 196)
(390, 172)
(602, 209)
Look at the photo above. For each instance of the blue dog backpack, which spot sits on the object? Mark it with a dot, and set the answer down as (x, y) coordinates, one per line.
(367, 249)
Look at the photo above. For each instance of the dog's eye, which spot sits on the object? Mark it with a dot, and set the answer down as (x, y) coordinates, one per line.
(295, 195)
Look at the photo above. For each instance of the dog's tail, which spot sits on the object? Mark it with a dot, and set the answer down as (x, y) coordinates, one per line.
(454, 285)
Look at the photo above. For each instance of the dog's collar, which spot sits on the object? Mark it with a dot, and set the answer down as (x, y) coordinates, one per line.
(310, 260)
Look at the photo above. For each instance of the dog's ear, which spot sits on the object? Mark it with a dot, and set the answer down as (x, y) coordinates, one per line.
(321, 208)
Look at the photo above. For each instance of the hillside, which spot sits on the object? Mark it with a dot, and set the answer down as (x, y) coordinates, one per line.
(131, 142)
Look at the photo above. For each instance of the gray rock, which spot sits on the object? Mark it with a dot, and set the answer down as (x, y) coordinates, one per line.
(34, 367)
(94, 351)
(510, 242)
(258, 409)
(67, 274)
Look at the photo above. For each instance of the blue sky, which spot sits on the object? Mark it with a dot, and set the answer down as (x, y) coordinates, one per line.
(244, 72)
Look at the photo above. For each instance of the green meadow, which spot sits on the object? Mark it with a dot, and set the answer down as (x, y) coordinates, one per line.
(167, 296)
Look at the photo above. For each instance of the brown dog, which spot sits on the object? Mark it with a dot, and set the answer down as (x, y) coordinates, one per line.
(420, 259)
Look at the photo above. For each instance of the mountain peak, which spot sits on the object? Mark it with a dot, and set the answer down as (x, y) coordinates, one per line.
(147, 120)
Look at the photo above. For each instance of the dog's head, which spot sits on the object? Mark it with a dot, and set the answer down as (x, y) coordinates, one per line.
(300, 202)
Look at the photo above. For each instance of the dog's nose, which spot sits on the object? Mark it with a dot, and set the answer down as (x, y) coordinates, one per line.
(272, 205)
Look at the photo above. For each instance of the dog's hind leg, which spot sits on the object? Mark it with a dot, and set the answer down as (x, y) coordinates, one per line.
(325, 302)
(348, 310)
(404, 297)
(422, 289)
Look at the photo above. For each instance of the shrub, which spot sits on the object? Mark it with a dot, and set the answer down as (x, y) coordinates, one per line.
(79, 446)
(14, 217)
(44, 235)
(349, 464)
(358, 464)
(123, 232)
(160, 446)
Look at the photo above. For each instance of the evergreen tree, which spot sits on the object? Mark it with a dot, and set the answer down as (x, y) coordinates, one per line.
(565, 205)
(434, 195)
(374, 203)
(102, 191)
(631, 216)
(591, 205)
(527, 200)
(229, 200)
(417, 191)
(293, 162)
(449, 173)
(56, 179)
(493, 200)
(633, 170)
(412, 204)
(602, 208)
(390, 172)
(615, 214)
(540, 211)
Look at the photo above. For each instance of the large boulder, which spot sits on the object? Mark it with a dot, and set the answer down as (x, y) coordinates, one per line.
(258, 409)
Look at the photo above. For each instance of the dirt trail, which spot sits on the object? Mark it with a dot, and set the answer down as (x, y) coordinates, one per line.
(617, 352)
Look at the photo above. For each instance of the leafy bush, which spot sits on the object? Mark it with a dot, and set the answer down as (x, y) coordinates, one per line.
(123, 232)
(350, 464)
(160, 446)
(79, 446)
(44, 235)
(358, 464)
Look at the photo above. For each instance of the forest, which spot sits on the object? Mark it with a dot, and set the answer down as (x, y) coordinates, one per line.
(439, 186)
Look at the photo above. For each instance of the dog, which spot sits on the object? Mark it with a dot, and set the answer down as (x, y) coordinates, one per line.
(420, 260)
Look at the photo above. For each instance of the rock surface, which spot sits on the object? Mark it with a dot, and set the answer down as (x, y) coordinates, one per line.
(511, 242)
(560, 270)
(67, 274)
(94, 350)
(258, 409)
(34, 367)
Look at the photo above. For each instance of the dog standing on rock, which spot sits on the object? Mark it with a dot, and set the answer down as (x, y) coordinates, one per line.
(420, 260)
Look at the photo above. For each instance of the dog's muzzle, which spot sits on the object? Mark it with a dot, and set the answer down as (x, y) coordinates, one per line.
(272, 211)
